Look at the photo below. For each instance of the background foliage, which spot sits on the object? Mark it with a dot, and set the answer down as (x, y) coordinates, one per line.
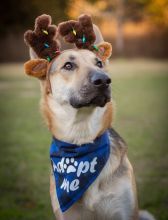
(136, 28)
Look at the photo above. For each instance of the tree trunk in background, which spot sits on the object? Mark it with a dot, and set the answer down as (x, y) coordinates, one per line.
(119, 28)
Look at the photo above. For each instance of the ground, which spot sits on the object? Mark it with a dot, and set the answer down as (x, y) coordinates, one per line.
(139, 88)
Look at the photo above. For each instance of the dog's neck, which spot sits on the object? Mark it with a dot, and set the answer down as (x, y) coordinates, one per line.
(77, 126)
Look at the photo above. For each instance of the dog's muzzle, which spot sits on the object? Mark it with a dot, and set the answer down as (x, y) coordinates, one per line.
(96, 92)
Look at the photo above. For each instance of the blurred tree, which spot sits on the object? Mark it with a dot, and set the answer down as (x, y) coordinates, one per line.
(122, 11)
(157, 11)
(119, 10)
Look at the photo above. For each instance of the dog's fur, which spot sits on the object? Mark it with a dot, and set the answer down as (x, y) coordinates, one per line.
(67, 107)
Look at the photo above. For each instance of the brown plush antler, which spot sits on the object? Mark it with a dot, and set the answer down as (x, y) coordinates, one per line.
(42, 39)
(79, 32)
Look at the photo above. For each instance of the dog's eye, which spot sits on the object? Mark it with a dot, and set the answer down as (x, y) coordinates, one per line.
(99, 64)
(69, 66)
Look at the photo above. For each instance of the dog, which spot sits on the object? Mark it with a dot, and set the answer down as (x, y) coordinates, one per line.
(78, 109)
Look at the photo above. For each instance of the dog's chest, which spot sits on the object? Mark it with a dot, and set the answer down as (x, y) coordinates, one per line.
(109, 197)
(105, 184)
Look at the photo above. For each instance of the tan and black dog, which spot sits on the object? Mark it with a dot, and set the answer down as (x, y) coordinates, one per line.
(77, 106)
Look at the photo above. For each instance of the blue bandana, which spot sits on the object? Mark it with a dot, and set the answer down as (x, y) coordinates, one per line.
(76, 167)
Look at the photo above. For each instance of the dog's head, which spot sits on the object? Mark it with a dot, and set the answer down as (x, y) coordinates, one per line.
(75, 77)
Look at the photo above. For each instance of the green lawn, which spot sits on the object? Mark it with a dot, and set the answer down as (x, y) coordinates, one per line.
(140, 90)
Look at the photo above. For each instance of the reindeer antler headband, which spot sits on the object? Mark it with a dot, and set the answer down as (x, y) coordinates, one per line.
(79, 32)
(43, 40)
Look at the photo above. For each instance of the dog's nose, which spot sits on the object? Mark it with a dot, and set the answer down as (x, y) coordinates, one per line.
(100, 80)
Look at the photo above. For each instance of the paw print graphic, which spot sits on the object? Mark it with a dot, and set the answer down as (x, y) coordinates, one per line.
(70, 165)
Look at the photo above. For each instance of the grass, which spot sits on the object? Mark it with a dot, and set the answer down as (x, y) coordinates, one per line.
(140, 91)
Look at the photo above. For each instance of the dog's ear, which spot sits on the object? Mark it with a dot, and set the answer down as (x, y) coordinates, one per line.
(36, 68)
(103, 50)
